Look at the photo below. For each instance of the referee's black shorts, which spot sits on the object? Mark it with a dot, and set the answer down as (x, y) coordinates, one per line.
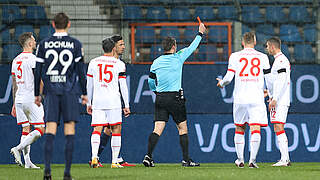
(169, 103)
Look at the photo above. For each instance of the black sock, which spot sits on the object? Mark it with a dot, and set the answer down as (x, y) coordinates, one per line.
(153, 139)
(184, 142)
(68, 151)
(103, 142)
(48, 149)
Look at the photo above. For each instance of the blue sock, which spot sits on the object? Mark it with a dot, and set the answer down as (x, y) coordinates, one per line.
(103, 142)
(68, 154)
(48, 149)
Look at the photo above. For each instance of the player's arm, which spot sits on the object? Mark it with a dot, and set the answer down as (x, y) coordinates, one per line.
(89, 87)
(228, 77)
(152, 81)
(268, 77)
(14, 90)
(37, 71)
(186, 52)
(124, 93)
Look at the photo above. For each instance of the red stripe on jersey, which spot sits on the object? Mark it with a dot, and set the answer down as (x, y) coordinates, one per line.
(116, 134)
(96, 132)
(99, 124)
(39, 131)
(122, 77)
(280, 132)
(89, 75)
(40, 123)
(255, 131)
(277, 122)
(25, 133)
(239, 132)
(23, 122)
(232, 70)
(115, 124)
(13, 73)
(258, 124)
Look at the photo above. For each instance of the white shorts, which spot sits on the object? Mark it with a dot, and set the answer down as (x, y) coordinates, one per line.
(105, 117)
(250, 114)
(279, 115)
(29, 114)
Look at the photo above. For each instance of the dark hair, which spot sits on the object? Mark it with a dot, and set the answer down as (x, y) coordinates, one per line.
(107, 45)
(248, 37)
(61, 20)
(168, 42)
(24, 37)
(275, 41)
(116, 38)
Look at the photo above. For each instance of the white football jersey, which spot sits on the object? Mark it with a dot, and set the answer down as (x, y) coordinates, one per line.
(280, 85)
(248, 65)
(105, 73)
(21, 68)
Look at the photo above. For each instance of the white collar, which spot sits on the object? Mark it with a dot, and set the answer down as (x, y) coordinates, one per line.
(60, 34)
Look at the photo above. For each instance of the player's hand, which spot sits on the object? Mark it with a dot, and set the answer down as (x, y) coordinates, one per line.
(265, 93)
(126, 112)
(13, 111)
(272, 105)
(202, 28)
(84, 99)
(37, 100)
(89, 110)
(218, 84)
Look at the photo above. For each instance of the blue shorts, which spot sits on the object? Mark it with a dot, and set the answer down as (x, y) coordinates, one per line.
(61, 106)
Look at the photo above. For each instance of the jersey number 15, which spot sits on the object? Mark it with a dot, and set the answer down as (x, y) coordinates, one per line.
(106, 71)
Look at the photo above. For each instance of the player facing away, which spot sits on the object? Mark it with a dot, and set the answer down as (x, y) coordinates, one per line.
(249, 68)
(59, 65)
(24, 108)
(105, 74)
(106, 134)
(165, 80)
(279, 94)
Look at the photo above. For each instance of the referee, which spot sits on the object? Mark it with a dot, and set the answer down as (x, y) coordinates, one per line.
(165, 80)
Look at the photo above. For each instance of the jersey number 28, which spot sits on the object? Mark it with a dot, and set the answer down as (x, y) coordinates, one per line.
(255, 63)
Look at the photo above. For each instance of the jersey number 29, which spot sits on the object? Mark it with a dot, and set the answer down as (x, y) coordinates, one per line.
(59, 57)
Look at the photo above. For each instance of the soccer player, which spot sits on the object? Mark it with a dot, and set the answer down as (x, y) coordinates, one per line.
(248, 66)
(279, 94)
(165, 80)
(105, 74)
(24, 108)
(106, 134)
(59, 64)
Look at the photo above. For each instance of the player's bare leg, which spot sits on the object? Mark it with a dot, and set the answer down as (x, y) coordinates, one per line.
(152, 142)
(95, 143)
(283, 145)
(69, 132)
(254, 145)
(115, 145)
(50, 133)
(239, 143)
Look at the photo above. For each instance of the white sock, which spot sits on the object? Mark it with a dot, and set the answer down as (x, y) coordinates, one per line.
(283, 145)
(239, 143)
(254, 144)
(95, 143)
(29, 139)
(26, 150)
(115, 146)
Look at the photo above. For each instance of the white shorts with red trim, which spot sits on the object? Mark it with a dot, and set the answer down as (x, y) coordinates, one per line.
(252, 114)
(29, 114)
(105, 117)
(279, 115)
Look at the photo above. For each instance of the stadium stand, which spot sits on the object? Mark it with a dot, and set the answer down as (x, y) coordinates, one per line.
(303, 53)
(155, 51)
(21, 29)
(132, 13)
(145, 35)
(10, 51)
(170, 31)
(156, 13)
(251, 14)
(5, 34)
(45, 31)
(218, 34)
(205, 13)
(310, 33)
(299, 14)
(36, 15)
(227, 13)
(275, 14)
(11, 14)
(180, 14)
(290, 33)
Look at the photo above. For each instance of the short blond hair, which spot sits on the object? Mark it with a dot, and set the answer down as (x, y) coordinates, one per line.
(248, 38)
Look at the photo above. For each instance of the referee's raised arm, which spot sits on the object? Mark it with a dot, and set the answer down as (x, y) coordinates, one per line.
(186, 52)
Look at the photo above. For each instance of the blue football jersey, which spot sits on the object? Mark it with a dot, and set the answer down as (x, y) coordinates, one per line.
(60, 65)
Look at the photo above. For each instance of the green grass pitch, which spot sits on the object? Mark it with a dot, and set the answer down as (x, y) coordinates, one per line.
(298, 171)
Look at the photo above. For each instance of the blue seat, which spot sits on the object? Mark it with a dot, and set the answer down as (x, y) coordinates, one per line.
(10, 14)
(264, 32)
(155, 51)
(299, 14)
(285, 51)
(10, 51)
(5, 34)
(260, 47)
(191, 32)
(290, 33)
(23, 2)
(45, 31)
(172, 31)
(132, 13)
(251, 14)
(218, 34)
(225, 53)
(180, 14)
(21, 29)
(36, 15)
(205, 12)
(245, 29)
(145, 34)
(227, 13)
(275, 14)
(310, 32)
(156, 13)
(208, 52)
(303, 53)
